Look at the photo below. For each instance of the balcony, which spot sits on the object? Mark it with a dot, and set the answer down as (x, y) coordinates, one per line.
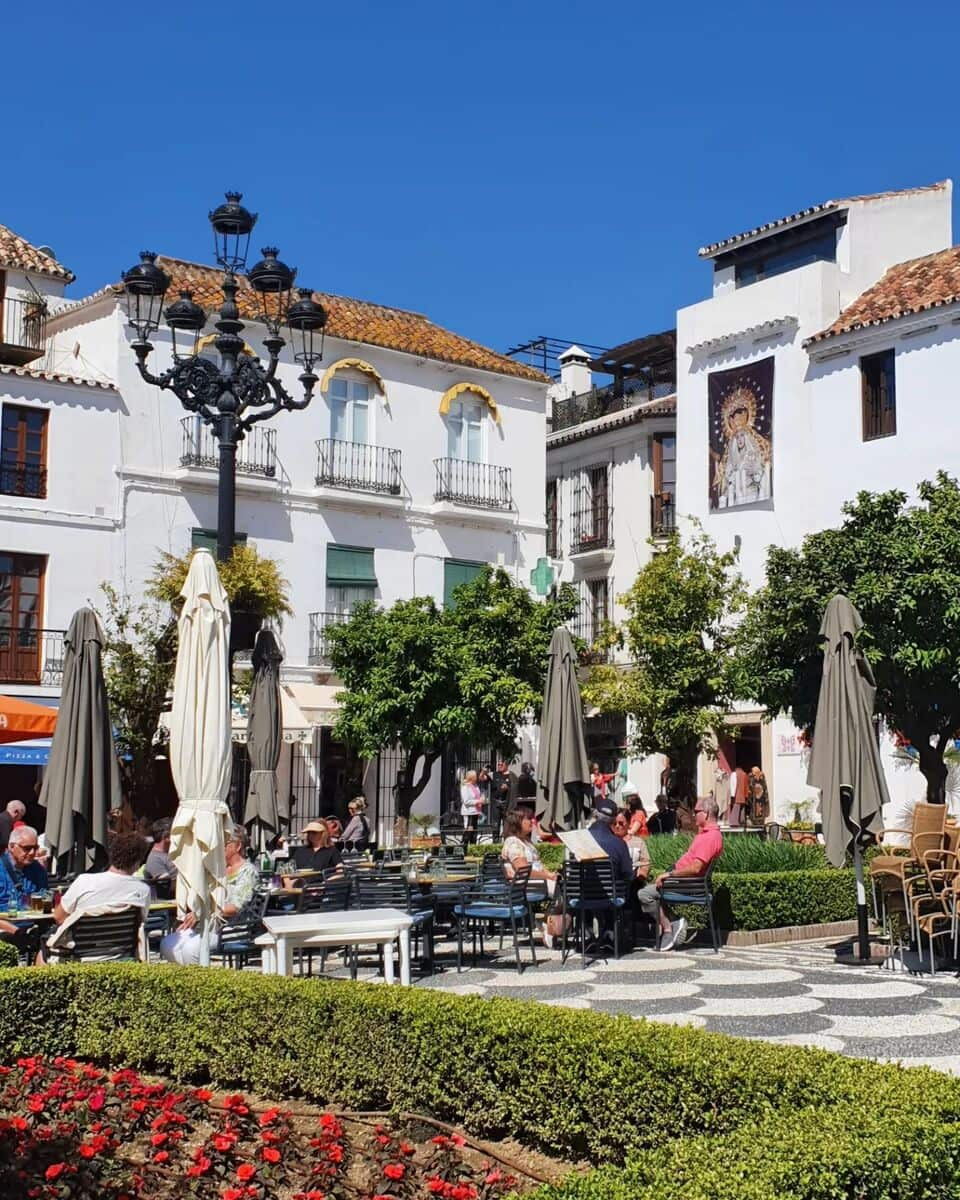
(256, 454)
(23, 329)
(663, 514)
(358, 467)
(23, 479)
(592, 529)
(318, 653)
(553, 539)
(32, 656)
(473, 484)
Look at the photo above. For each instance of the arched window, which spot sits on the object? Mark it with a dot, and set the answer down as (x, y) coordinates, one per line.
(349, 401)
(465, 418)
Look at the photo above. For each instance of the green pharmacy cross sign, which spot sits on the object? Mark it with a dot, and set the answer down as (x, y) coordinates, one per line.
(542, 576)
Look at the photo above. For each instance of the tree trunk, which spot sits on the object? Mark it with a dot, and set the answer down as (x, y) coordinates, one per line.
(407, 790)
(934, 769)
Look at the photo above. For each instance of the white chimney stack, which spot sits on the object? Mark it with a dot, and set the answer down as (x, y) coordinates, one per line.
(575, 374)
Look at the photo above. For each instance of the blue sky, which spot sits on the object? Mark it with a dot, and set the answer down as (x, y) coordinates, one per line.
(510, 169)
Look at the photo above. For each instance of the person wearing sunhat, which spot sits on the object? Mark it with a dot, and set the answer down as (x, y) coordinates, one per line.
(318, 854)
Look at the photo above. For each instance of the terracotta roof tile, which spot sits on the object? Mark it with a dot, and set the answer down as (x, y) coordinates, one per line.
(909, 287)
(56, 377)
(815, 210)
(358, 321)
(17, 252)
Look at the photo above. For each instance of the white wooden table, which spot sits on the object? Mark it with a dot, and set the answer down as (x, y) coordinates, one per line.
(355, 927)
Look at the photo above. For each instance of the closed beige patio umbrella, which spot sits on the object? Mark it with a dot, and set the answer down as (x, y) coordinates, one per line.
(264, 739)
(200, 746)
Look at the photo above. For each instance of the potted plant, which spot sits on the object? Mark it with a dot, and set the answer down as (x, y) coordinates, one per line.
(423, 823)
(255, 588)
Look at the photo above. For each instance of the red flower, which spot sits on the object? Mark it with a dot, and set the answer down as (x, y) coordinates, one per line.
(435, 1184)
(494, 1176)
(269, 1116)
(223, 1142)
(440, 1140)
(458, 1140)
(406, 1148)
(335, 1154)
(161, 1156)
(394, 1170)
(55, 1171)
(19, 1123)
(35, 1104)
(233, 1194)
(200, 1167)
(271, 1154)
(246, 1171)
(203, 1095)
(158, 1139)
(97, 1100)
(85, 1150)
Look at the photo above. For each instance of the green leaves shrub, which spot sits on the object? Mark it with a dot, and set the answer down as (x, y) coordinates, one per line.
(8, 955)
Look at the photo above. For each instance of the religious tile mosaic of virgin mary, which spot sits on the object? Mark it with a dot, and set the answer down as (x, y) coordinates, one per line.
(740, 408)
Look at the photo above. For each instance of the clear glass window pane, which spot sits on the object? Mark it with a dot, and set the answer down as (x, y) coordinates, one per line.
(474, 440)
(360, 420)
(338, 419)
(360, 392)
(454, 433)
(338, 388)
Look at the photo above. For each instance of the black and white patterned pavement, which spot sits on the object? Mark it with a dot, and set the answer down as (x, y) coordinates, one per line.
(796, 994)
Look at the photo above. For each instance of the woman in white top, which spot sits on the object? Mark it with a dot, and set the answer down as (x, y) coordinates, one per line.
(518, 850)
(471, 801)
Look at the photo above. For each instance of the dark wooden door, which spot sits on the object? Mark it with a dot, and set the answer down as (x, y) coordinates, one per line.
(21, 607)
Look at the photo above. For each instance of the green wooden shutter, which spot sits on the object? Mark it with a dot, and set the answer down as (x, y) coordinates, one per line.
(455, 572)
(350, 566)
(206, 539)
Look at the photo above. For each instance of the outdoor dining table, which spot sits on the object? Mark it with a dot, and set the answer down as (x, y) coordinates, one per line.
(352, 927)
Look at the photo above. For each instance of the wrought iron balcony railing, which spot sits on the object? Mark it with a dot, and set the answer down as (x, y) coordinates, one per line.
(23, 479)
(553, 539)
(478, 485)
(23, 329)
(575, 410)
(256, 454)
(358, 467)
(663, 514)
(592, 529)
(31, 656)
(318, 652)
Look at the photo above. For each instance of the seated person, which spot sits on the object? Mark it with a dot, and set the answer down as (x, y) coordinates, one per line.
(20, 873)
(519, 850)
(706, 846)
(160, 870)
(664, 820)
(334, 828)
(605, 812)
(317, 855)
(356, 836)
(183, 945)
(96, 893)
(636, 813)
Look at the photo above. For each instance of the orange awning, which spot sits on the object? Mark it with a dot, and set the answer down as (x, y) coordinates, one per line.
(20, 719)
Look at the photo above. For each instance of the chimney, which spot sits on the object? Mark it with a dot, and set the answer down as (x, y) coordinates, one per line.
(575, 374)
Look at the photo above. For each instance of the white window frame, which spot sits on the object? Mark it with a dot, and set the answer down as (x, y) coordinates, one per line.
(352, 403)
(462, 410)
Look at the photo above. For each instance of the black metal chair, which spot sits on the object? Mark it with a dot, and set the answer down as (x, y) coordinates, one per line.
(590, 889)
(394, 891)
(237, 937)
(696, 890)
(496, 909)
(112, 937)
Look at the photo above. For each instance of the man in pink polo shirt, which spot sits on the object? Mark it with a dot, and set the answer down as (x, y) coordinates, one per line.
(707, 845)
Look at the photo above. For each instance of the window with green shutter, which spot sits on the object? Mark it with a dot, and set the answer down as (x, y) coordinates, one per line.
(206, 539)
(351, 578)
(455, 572)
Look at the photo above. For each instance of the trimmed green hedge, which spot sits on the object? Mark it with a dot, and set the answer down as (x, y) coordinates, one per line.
(8, 955)
(698, 1116)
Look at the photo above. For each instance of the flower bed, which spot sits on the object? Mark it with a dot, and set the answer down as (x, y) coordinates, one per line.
(71, 1131)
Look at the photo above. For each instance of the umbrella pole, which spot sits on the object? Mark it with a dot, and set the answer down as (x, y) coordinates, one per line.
(863, 933)
(204, 942)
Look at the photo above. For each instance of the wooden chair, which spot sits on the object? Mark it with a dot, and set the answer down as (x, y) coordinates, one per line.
(890, 872)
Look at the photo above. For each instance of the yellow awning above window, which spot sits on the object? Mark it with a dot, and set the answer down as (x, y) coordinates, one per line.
(458, 388)
(354, 364)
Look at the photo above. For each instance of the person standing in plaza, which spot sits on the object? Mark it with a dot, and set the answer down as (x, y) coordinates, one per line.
(739, 794)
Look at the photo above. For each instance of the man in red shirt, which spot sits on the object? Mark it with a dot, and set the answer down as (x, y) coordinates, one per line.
(707, 845)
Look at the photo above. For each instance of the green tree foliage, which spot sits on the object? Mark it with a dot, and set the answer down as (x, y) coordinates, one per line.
(138, 660)
(681, 611)
(419, 677)
(900, 565)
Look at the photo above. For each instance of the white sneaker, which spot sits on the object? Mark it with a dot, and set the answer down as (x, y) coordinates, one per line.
(667, 942)
(679, 931)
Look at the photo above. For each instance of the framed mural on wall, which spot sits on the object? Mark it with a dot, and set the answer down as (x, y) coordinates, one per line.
(740, 413)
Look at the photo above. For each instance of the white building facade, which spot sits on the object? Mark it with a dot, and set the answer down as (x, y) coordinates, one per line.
(410, 470)
(611, 456)
(825, 356)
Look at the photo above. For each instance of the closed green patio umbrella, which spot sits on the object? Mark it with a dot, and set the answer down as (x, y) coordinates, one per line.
(845, 760)
(82, 781)
(563, 772)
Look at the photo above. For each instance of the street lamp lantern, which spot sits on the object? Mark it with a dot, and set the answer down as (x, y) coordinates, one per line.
(238, 392)
(145, 286)
(307, 319)
(272, 281)
(188, 317)
(232, 226)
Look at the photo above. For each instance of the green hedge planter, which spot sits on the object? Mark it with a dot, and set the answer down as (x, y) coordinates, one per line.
(696, 1116)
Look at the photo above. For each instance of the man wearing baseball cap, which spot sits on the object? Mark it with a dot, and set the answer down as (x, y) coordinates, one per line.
(615, 848)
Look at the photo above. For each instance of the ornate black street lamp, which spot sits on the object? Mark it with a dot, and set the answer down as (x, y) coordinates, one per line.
(235, 395)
